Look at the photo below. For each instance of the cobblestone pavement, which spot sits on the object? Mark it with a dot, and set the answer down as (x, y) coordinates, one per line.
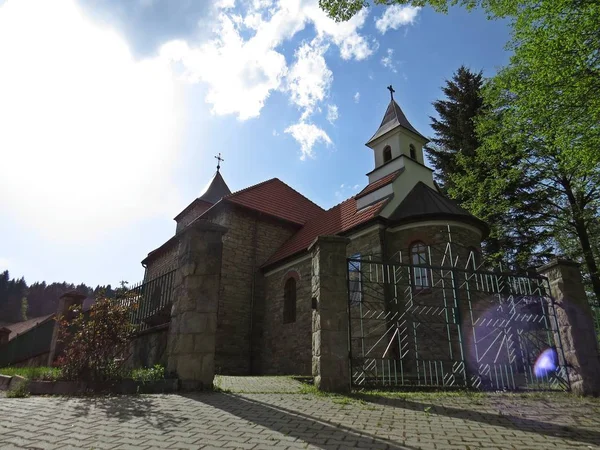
(300, 420)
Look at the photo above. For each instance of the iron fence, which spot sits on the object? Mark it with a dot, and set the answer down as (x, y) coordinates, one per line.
(34, 342)
(445, 324)
(150, 301)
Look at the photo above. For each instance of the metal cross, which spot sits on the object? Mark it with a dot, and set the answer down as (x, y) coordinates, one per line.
(391, 89)
(219, 159)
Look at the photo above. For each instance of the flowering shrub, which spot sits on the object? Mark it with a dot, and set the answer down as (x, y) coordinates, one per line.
(96, 341)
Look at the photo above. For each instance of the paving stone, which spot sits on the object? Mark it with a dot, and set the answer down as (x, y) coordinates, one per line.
(272, 412)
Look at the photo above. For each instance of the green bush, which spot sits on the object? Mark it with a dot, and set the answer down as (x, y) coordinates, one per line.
(149, 374)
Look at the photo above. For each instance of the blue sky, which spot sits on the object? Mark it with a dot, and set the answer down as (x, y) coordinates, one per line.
(112, 112)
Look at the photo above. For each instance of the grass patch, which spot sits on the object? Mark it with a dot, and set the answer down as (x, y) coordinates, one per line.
(33, 373)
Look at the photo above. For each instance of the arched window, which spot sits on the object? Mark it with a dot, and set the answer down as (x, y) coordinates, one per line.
(387, 154)
(418, 257)
(289, 301)
(413, 152)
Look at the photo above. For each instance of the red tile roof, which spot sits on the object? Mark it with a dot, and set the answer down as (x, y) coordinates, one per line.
(338, 219)
(272, 197)
(379, 183)
(275, 198)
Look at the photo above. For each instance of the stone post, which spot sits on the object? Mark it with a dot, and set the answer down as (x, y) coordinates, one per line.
(192, 331)
(4, 334)
(330, 355)
(575, 325)
(65, 302)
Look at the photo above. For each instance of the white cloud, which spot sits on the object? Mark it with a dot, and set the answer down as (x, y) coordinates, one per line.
(275, 133)
(309, 78)
(307, 135)
(396, 16)
(332, 113)
(357, 97)
(388, 60)
(242, 64)
(225, 4)
(89, 133)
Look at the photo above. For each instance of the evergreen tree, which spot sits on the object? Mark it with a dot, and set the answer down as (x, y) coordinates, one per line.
(455, 128)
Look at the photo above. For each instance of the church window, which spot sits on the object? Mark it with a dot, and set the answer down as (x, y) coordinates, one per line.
(387, 154)
(418, 255)
(289, 301)
(355, 279)
(413, 152)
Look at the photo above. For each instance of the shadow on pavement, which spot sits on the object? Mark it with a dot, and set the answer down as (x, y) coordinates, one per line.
(125, 408)
(293, 423)
(497, 420)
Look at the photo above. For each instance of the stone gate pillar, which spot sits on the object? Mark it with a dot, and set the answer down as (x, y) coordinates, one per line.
(330, 360)
(575, 325)
(192, 331)
(65, 303)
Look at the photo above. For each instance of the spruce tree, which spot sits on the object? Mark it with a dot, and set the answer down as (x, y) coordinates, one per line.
(455, 128)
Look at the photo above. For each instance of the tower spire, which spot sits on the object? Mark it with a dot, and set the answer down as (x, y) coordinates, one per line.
(219, 159)
(391, 89)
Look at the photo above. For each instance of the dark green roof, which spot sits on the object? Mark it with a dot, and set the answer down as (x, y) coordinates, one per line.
(425, 203)
(216, 190)
(393, 118)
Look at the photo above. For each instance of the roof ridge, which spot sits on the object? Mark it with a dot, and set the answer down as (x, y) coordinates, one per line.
(249, 187)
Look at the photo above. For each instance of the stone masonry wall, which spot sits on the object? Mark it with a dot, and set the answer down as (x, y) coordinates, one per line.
(162, 264)
(286, 347)
(148, 348)
(191, 215)
(249, 242)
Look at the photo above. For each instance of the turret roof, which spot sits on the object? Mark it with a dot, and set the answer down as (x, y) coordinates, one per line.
(393, 118)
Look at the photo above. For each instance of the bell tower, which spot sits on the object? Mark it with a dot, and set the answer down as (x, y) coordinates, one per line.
(394, 138)
(399, 161)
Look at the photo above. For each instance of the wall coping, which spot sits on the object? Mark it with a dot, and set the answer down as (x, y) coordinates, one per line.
(555, 262)
(328, 239)
(204, 225)
(74, 295)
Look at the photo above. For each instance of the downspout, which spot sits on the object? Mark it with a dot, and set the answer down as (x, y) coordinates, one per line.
(252, 293)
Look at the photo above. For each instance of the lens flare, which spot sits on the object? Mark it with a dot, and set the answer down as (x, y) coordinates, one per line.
(546, 363)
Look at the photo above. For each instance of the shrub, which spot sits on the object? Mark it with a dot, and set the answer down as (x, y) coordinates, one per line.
(96, 341)
(149, 374)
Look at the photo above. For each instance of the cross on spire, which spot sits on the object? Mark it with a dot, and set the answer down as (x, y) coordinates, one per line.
(391, 89)
(219, 159)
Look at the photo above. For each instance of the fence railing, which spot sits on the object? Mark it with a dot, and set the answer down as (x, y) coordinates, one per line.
(34, 342)
(150, 301)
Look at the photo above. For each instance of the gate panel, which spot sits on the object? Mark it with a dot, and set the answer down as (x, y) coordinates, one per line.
(445, 326)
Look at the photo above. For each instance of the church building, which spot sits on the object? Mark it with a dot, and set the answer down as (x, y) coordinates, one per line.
(264, 312)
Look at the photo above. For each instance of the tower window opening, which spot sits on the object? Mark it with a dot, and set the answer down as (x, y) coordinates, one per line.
(413, 152)
(387, 154)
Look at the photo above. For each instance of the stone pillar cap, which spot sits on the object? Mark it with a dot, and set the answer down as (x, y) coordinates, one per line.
(74, 295)
(557, 262)
(205, 225)
(330, 239)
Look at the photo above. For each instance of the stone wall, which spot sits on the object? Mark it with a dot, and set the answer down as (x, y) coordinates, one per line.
(249, 242)
(285, 348)
(191, 215)
(163, 263)
(149, 348)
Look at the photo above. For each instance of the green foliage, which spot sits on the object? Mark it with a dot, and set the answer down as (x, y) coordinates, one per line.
(24, 306)
(33, 373)
(145, 375)
(96, 341)
(20, 391)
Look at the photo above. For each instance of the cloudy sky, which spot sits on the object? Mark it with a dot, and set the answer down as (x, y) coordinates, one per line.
(111, 112)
